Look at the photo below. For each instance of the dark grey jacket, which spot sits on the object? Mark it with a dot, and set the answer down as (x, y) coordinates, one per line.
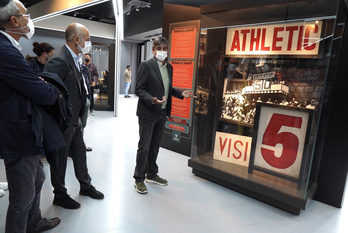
(149, 85)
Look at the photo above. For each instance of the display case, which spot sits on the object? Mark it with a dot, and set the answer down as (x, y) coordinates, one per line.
(260, 86)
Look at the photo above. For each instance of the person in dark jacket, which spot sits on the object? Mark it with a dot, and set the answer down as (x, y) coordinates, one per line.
(21, 129)
(93, 78)
(86, 74)
(65, 63)
(55, 119)
(43, 51)
(155, 91)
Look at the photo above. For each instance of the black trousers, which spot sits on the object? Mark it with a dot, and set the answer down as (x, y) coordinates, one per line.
(91, 107)
(75, 144)
(150, 132)
(25, 177)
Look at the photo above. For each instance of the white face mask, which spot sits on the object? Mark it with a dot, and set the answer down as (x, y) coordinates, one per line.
(28, 34)
(88, 46)
(31, 32)
(161, 55)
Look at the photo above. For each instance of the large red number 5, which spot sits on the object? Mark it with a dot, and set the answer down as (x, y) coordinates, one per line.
(289, 141)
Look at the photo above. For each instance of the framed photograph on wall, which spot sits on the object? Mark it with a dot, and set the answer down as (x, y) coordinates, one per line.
(280, 142)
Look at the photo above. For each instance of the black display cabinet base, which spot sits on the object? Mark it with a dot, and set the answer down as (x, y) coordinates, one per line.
(235, 177)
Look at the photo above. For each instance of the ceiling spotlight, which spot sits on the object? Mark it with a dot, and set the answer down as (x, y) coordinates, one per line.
(137, 9)
(128, 13)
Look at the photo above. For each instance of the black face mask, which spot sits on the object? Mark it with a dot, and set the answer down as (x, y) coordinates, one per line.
(86, 60)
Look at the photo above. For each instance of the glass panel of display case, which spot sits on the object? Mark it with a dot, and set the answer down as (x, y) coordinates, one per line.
(280, 66)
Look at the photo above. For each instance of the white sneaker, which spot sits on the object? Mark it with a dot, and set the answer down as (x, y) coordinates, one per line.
(3, 186)
(2, 192)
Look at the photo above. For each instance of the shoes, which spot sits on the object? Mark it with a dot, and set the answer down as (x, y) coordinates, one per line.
(89, 148)
(127, 96)
(3, 186)
(92, 193)
(47, 224)
(140, 187)
(66, 202)
(157, 180)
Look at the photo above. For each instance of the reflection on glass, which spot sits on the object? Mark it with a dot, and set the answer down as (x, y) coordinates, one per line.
(229, 89)
(100, 57)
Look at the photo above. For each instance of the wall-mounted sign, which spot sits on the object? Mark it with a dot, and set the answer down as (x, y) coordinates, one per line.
(232, 148)
(183, 43)
(301, 38)
(182, 73)
(280, 141)
(176, 136)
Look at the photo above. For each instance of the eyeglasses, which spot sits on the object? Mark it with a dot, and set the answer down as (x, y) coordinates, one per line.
(25, 15)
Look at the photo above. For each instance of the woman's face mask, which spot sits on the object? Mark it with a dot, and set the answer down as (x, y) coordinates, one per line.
(49, 55)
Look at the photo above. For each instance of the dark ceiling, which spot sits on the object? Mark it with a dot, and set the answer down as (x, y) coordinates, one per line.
(29, 3)
(103, 12)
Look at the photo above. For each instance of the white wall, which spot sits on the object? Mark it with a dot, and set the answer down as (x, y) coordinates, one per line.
(61, 22)
(129, 56)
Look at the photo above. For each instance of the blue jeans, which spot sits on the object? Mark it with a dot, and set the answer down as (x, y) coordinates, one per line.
(126, 88)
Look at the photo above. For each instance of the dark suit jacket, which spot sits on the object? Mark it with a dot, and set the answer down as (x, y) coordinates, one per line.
(62, 64)
(20, 91)
(86, 73)
(149, 85)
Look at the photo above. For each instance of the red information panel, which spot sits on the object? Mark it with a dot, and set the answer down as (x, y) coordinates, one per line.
(181, 108)
(280, 140)
(183, 42)
(182, 73)
(178, 120)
